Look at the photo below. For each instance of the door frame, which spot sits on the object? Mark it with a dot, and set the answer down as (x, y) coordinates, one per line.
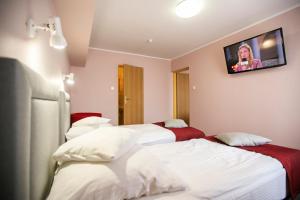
(175, 89)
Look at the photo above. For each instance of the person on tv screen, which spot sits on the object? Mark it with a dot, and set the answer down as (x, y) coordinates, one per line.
(246, 60)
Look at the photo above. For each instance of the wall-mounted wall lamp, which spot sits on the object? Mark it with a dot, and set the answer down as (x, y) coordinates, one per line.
(69, 79)
(57, 39)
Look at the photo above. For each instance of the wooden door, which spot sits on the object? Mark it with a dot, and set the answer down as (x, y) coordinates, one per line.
(131, 99)
(182, 97)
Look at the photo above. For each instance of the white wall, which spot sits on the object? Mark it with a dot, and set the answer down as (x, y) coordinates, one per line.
(35, 53)
(265, 102)
(92, 93)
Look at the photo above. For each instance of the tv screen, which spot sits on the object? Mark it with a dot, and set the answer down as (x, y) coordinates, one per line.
(263, 51)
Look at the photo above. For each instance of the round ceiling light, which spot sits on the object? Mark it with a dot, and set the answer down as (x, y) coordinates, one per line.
(188, 8)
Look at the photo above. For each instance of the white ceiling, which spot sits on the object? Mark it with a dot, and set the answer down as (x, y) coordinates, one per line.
(77, 28)
(126, 25)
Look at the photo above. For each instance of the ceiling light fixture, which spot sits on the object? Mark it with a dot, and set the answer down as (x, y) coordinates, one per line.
(188, 8)
(150, 40)
(57, 39)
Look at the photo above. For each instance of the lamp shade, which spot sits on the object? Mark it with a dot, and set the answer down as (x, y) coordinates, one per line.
(57, 39)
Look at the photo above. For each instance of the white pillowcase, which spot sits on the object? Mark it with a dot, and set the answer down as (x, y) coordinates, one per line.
(91, 121)
(175, 123)
(104, 144)
(81, 130)
(78, 131)
(242, 139)
(150, 134)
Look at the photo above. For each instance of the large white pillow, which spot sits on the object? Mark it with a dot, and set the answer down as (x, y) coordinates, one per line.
(91, 121)
(175, 123)
(242, 139)
(76, 131)
(104, 144)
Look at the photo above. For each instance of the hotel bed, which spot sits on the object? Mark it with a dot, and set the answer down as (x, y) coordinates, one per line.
(35, 119)
(207, 170)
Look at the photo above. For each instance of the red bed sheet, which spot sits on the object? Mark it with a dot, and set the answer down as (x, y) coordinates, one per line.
(186, 133)
(290, 159)
(78, 116)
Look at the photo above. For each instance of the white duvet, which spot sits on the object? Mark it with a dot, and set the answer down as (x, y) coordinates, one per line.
(135, 174)
(208, 170)
(216, 171)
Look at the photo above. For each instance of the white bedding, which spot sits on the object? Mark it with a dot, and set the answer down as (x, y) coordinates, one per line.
(150, 134)
(209, 171)
(215, 171)
(135, 174)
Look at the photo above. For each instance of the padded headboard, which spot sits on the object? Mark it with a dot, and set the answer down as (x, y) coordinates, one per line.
(32, 122)
(64, 115)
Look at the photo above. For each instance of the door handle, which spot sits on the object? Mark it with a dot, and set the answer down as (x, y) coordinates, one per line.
(127, 99)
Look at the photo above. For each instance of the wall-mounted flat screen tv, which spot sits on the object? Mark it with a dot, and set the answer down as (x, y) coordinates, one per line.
(260, 52)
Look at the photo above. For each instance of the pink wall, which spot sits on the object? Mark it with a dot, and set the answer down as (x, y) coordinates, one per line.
(265, 102)
(92, 90)
(35, 53)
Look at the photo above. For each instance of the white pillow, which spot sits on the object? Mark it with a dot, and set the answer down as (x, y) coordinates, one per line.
(150, 134)
(175, 123)
(91, 121)
(104, 125)
(104, 144)
(78, 131)
(81, 130)
(242, 139)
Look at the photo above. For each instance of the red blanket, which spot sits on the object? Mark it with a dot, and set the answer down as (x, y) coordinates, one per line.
(290, 159)
(78, 116)
(186, 133)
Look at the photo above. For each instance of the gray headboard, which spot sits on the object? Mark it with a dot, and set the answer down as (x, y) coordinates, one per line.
(34, 116)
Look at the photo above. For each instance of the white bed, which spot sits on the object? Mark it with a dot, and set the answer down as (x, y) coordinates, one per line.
(208, 170)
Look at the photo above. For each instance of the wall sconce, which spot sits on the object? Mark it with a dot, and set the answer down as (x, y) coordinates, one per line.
(57, 39)
(69, 79)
